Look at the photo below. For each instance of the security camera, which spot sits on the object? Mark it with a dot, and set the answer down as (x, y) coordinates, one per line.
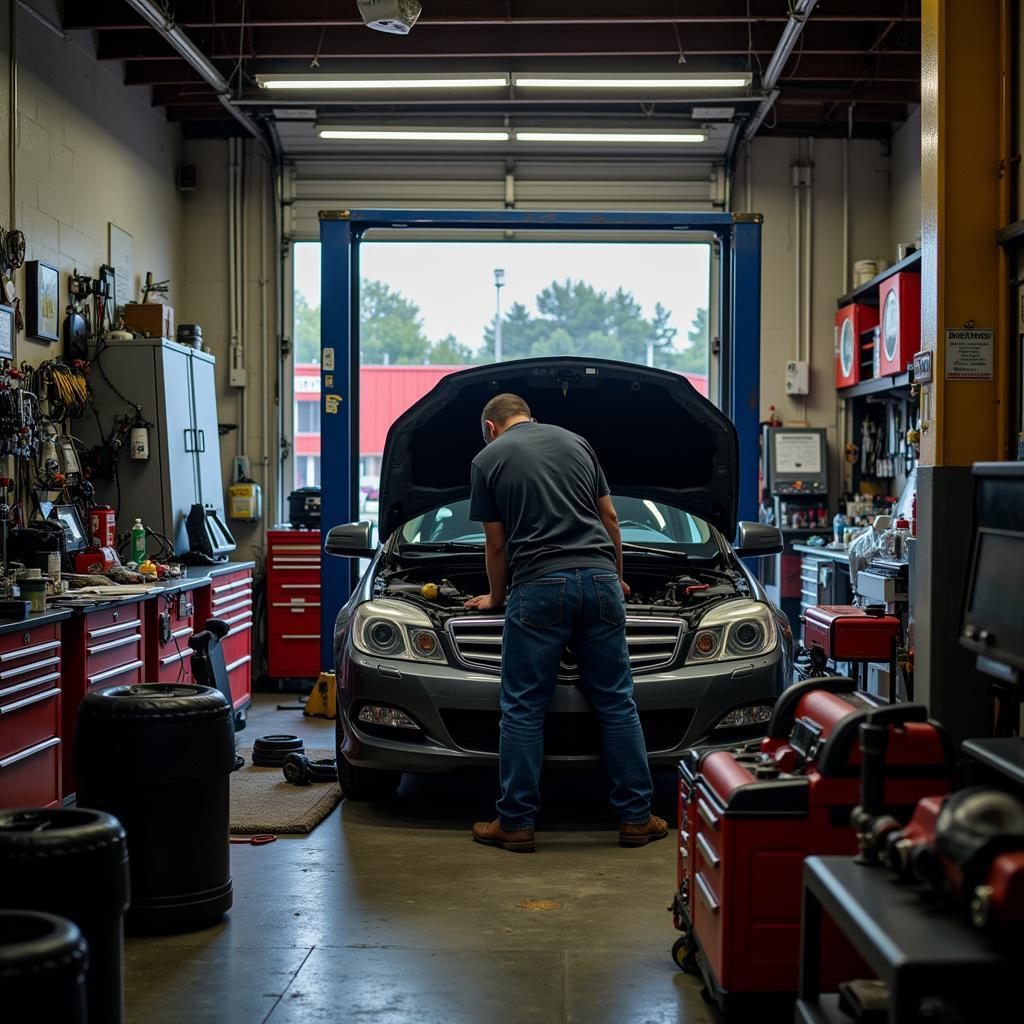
(394, 16)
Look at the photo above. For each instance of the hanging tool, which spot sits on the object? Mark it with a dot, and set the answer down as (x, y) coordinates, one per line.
(151, 287)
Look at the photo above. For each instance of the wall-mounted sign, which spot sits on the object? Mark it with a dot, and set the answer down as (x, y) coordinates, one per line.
(969, 353)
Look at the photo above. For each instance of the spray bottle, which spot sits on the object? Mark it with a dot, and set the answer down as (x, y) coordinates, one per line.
(138, 549)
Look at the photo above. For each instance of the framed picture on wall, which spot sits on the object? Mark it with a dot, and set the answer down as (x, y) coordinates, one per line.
(42, 301)
(6, 332)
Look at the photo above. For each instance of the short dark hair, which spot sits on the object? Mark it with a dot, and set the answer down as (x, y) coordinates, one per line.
(501, 408)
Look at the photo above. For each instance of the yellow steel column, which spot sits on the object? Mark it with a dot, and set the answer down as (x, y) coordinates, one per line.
(965, 184)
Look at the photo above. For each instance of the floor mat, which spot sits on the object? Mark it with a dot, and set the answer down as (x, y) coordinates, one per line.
(261, 801)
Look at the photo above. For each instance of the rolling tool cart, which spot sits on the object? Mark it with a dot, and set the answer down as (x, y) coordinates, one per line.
(859, 636)
(750, 816)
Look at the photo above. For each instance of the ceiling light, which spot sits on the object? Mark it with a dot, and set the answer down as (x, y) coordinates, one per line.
(730, 80)
(364, 83)
(618, 136)
(357, 133)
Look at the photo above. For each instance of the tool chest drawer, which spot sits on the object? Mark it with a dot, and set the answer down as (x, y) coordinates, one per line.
(230, 599)
(30, 716)
(113, 640)
(170, 622)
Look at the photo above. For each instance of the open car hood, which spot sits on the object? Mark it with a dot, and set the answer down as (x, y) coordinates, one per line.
(655, 436)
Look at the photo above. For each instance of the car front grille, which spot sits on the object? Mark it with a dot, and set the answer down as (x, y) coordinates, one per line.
(566, 734)
(652, 644)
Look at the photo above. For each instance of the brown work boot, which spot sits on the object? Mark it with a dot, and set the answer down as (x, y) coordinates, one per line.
(641, 835)
(490, 833)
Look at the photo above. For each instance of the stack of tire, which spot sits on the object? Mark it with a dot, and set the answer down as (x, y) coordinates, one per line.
(270, 751)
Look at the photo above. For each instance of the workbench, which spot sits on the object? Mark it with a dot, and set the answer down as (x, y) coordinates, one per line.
(50, 660)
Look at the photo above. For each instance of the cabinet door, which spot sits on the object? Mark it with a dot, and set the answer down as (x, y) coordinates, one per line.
(210, 483)
(181, 442)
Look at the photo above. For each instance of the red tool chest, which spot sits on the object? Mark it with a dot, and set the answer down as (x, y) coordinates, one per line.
(749, 817)
(30, 716)
(229, 597)
(170, 621)
(845, 632)
(293, 603)
(102, 647)
(851, 321)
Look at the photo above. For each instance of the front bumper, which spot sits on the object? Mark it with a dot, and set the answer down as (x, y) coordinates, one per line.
(458, 712)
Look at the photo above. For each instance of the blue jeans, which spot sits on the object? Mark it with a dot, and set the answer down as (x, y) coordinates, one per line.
(586, 607)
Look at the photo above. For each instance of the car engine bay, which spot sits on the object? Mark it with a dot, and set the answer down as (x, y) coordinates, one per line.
(653, 591)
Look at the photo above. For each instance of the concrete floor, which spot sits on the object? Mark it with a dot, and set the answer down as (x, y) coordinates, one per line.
(389, 913)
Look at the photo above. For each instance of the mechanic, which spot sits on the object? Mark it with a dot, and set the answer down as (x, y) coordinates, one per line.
(550, 525)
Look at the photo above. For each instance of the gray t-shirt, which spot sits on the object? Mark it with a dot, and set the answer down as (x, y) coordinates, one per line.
(543, 483)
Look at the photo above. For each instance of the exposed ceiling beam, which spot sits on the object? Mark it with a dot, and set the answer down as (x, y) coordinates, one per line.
(509, 41)
(195, 14)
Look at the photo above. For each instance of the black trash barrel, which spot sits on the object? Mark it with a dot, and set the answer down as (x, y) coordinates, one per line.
(159, 759)
(42, 968)
(73, 863)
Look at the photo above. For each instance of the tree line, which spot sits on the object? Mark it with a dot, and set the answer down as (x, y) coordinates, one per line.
(572, 318)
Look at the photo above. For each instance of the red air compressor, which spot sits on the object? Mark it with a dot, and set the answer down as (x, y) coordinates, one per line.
(749, 816)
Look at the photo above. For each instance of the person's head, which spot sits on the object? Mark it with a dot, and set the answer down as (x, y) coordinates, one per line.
(500, 413)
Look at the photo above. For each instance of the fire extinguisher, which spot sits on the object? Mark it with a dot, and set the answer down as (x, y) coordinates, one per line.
(102, 520)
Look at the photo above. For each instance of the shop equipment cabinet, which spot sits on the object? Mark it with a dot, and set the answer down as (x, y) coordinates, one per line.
(170, 621)
(293, 603)
(30, 713)
(102, 647)
(229, 597)
(175, 388)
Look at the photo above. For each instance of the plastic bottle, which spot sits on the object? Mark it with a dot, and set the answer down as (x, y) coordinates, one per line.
(138, 551)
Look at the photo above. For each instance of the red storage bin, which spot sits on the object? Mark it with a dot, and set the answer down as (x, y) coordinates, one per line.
(847, 633)
(899, 299)
(851, 321)
(293, 603)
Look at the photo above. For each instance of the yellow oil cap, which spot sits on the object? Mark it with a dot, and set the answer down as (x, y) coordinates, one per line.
(429, 591)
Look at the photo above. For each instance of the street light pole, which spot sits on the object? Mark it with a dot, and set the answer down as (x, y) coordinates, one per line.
(499, 283)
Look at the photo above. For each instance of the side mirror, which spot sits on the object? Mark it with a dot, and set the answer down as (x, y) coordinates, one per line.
(353, 540)
(756, 540)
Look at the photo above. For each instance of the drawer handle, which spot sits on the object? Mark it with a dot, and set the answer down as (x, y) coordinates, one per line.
(300, 636)
(240, 617)
(111, 645)
(238, 664)
(295, 568)
(296, 605)
(37, 749)
(26, 651)
(219, 612)
(239, 629)
(709, 819)
(116, 628)
(300, 586)
(706, 894)
(30, 667)
(28, 684)
(294, 547)
(707, 851)
(112, 673)
(232, 586)
(179, 633)
(177, 656)
(6, 709)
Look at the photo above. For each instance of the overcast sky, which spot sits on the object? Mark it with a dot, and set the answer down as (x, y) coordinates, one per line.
(453, 282)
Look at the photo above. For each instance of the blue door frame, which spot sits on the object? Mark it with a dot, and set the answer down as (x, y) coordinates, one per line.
(341, 232)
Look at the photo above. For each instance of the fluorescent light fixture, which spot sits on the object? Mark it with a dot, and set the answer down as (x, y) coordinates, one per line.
(729, 80)
(616, 136)
(357, 133)
(367, 83)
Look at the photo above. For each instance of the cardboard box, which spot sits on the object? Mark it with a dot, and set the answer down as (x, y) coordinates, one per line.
(154, 319)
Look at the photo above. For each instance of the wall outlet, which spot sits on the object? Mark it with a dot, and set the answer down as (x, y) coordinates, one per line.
(236, 377)
(798, 378)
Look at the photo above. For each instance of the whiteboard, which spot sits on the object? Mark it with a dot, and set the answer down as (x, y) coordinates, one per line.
(121, 261)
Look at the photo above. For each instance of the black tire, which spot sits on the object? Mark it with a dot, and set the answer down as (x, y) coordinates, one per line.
(278, 743)
(43, 959)
(294, 769)
(363, 784)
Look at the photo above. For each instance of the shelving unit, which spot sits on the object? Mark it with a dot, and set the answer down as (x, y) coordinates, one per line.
(868, 291)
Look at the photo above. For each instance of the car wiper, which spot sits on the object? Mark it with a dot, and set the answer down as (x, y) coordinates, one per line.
(441, 545)
(667, 552)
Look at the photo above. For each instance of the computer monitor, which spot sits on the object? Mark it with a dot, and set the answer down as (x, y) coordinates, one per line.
(993, 619)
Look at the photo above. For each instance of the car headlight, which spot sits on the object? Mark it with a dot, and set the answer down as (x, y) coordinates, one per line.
(735, 629)
(392, 629)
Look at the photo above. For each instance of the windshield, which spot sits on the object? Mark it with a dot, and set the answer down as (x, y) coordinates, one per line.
(643, 521)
